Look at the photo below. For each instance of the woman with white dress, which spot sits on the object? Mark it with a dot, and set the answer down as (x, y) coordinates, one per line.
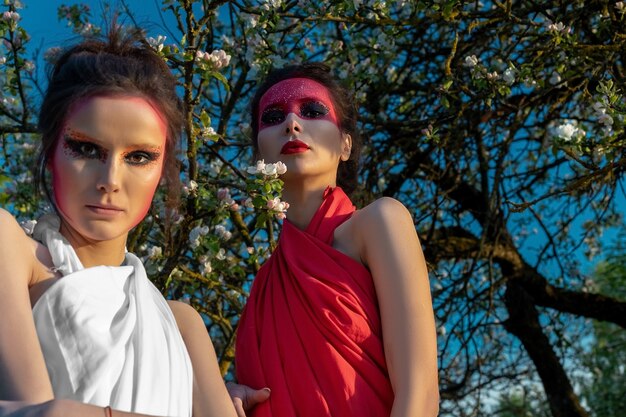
(83, 331)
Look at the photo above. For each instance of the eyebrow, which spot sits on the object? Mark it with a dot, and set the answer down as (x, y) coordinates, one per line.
(82, 136)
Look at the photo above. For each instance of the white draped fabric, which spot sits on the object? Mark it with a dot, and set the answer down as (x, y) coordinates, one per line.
(108, 335)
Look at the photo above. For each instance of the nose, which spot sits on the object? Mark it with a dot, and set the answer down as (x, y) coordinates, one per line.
(292, 124)
(108, 180)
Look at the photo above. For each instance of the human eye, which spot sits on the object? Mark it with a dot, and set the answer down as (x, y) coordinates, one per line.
(84, 149)
(272, 116)
(140, 158)
(313, 110)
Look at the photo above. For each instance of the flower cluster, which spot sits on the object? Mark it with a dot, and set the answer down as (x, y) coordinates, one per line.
(191, 188)
(569, 132)
(155, 252)
(225, 199)
(269, 170)
(272, 4)
(208, 134)
(265, 189)
(278, 207)
(555, 78)
(471, 61)
(157, 43)
(605, 119)
(205, 265)
(196, 234)
(558, 27)
(222, 233)
(217, 59)
(9, 16)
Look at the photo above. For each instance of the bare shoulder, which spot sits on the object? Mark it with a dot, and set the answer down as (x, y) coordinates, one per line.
(21, 253)
(187, 318)
(9, 225)
(383, 215)
(13, 239)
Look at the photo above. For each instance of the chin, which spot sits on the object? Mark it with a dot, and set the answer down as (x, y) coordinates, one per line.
(101, 232)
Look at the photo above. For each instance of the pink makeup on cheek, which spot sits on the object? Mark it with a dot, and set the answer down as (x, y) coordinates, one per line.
(289, 94)
(59, 181)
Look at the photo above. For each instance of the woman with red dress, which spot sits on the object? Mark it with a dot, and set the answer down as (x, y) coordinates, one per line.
(339, 321)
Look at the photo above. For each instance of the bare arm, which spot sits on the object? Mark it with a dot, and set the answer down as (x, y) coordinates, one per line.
(210, 397)
(58, 408)
(23, 374)
(390, 248)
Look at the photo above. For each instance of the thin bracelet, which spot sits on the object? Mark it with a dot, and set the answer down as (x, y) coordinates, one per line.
(107, 411)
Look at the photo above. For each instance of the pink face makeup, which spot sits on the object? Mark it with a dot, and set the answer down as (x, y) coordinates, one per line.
(307, 98)
(107, 164)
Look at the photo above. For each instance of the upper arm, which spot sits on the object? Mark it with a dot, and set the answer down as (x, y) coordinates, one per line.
(23, 374)
(392, 251)
(210, 397)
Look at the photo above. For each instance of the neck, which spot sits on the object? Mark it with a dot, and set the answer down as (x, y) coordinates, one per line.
(304, 200)
(94, 253)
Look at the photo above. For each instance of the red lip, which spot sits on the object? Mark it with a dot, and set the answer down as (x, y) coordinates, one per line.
(294, 146)
(107, 209)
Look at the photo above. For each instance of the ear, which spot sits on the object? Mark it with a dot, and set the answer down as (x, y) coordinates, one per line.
(346, 146)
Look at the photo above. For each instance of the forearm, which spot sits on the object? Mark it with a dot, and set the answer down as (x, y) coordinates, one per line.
(58, 408)
(423, 402)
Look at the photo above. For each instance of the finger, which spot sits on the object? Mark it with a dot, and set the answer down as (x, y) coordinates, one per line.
(239, 407)
(254, 397)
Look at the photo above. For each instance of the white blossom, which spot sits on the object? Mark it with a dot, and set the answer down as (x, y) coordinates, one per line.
(491, 76)
(508, 76)
(155, 252)
(471, 61)
(195, 235)
(157, 43)
(555, 78)
(557, 27)
(248, 203)
(217, 59)
(223, 194)
(620, 6)
(281, 168)
(271, 4)
(207, 133)
(605, 119)
(270, 169)
(569, 131)
(221, 232)
(10, 16)
(29, 66)
(206, 268)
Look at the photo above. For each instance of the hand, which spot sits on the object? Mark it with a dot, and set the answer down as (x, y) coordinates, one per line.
(245, 398)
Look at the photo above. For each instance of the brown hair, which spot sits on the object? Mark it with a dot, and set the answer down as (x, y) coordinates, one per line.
(347, 172)
(121, 64)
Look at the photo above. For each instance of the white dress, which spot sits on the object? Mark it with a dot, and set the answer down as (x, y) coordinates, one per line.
(108, 336)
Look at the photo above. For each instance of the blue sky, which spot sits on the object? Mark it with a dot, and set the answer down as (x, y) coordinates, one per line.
(39, 18)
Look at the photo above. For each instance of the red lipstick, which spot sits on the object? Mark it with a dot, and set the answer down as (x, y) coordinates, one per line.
(294, 146)
(104, 209)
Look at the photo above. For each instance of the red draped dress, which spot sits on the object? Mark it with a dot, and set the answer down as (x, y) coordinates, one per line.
(311, 328)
